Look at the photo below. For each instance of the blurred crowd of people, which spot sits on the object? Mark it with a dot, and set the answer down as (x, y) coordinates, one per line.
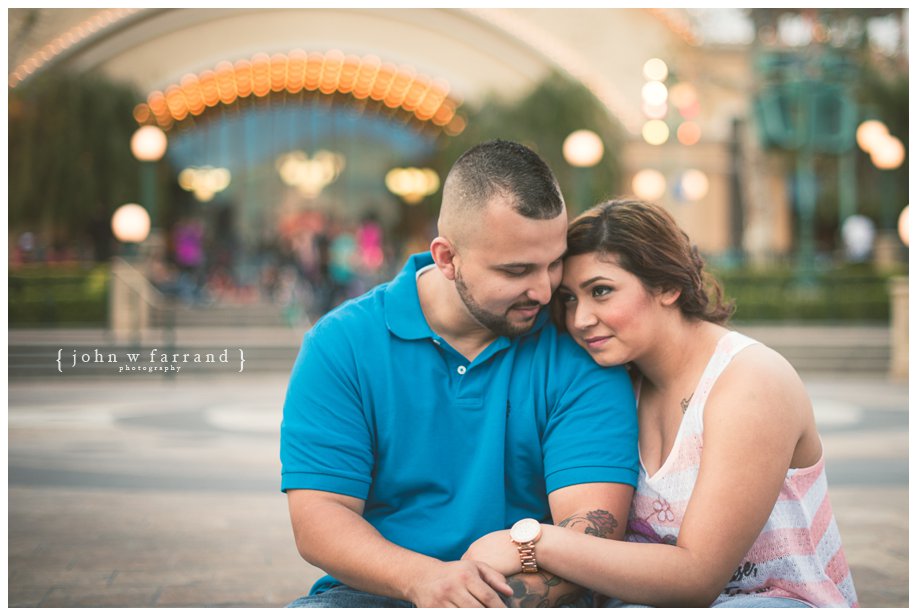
(307, 264)
(310, 264)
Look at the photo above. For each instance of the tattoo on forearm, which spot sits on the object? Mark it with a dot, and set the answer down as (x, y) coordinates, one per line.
(598, 522)
(533, 590)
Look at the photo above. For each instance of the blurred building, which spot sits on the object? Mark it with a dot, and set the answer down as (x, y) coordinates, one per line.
(413, 69)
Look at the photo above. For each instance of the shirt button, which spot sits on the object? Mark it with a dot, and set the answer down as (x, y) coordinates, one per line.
(462, 370)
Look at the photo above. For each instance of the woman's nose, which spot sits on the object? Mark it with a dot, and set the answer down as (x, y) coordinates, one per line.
(583, 318)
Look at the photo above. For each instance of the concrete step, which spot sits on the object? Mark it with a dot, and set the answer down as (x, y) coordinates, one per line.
(225, 315)
(34, 353)
(827, 348)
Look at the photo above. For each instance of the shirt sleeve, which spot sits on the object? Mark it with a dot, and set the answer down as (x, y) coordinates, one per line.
(325, 442)
(591, 431)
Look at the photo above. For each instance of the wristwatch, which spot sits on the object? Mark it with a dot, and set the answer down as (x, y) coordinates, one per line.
(525, 533)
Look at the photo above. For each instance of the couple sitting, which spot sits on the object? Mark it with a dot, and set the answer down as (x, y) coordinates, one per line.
(430, 415)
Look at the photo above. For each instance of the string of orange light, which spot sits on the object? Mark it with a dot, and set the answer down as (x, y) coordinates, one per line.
(363, 78)
(65, 41)
(677, 24)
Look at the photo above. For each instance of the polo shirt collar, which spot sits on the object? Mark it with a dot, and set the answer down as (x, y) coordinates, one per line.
(403, 314)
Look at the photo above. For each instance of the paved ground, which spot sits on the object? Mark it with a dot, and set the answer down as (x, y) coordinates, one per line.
(144, 491)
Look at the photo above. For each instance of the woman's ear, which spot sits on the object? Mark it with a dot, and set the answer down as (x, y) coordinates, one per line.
(668, 298)
(444, 256)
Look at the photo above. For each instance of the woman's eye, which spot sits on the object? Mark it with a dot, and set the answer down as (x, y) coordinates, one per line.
(600, 291)
(566, 298)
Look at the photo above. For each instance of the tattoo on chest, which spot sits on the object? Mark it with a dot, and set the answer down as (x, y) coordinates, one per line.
(599, 523)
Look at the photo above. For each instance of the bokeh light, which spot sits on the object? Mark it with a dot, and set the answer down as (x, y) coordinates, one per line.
(870, 133)
(887, 153)
(583, 148)
(688, 133)
(149, 143)
(655, 132)
(654, 93)
(130, 223)
(858, 234)
(412, 184)
(648, 184)
(204, 182)
(655, 70)
(683, 94)
(694, 185)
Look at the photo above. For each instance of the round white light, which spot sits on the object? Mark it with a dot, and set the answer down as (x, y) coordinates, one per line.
(858, 233)
(654, 93)
(149, 143)
(130, 223)
(694, 185)
(655, 70)
(648, 184)
(583, 148)
(904, 225)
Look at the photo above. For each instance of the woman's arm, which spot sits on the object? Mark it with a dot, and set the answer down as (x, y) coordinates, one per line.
(753, 420)
(594, 509)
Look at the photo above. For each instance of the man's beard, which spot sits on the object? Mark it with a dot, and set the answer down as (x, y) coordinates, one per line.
(498, 324)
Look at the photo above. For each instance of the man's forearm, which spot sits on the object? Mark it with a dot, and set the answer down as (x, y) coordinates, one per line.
(342, 543)
(544, 589)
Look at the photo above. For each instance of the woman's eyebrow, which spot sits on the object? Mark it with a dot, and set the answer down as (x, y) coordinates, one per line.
(586, 283)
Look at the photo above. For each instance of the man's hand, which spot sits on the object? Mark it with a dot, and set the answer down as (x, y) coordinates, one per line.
(497, 550)
(463, 583)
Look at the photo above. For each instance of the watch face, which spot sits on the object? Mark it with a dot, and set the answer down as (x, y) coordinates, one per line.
(525, 530)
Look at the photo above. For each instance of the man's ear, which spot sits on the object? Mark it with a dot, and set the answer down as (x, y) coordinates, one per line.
(444, 256)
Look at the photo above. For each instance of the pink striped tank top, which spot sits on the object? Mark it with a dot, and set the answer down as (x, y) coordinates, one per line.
(798, 554)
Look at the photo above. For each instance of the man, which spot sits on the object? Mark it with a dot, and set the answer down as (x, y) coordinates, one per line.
(443, 405)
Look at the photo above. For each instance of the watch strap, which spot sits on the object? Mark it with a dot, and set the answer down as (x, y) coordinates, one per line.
(527, 556)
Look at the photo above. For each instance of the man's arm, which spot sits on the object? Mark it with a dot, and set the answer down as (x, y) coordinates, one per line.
(598, 509)
(332, 534)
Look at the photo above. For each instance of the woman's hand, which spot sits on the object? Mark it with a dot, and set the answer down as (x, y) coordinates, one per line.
(497, 550)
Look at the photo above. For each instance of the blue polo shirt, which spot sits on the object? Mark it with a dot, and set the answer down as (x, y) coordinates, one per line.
(443, 450)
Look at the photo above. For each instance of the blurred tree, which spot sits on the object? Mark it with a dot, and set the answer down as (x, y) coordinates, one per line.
(541, 120)
(70, 164)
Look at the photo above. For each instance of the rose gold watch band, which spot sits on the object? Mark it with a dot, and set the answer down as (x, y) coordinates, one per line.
(527, 556)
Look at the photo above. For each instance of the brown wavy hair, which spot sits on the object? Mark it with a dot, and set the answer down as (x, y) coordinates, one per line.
(646, 241)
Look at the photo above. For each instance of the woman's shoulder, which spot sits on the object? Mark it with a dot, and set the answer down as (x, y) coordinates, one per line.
(758, 379)
(767, 363)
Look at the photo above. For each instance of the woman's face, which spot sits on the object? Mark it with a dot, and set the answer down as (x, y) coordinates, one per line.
(608, 311)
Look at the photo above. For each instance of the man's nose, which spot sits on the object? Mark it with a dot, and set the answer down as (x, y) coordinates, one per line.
(541, 289)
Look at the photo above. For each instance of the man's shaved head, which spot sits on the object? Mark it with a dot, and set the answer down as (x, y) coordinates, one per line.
(496, 170)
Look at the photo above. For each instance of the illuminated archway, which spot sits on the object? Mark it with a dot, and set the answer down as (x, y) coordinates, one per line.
(330, 73)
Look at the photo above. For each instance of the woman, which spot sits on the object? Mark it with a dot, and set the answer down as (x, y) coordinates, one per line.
(731, 508)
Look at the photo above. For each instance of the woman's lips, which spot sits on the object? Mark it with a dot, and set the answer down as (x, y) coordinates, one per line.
(596, 341)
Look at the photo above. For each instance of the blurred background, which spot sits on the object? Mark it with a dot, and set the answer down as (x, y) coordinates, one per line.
(192, 179)
(288, 159)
